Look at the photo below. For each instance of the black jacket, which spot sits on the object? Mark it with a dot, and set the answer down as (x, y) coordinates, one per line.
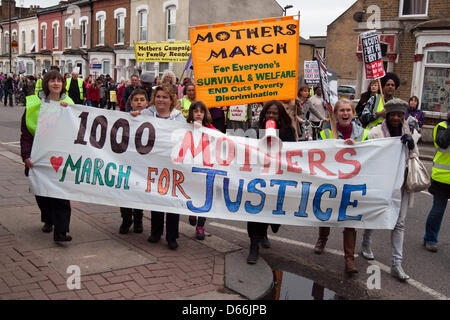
(127, 92)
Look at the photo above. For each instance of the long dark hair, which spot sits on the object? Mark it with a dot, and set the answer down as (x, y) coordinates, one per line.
(284, 123)
(207, 120)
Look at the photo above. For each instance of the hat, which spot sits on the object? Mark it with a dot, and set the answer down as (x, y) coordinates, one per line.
(390, 76)
(147, 77)
(396, 105)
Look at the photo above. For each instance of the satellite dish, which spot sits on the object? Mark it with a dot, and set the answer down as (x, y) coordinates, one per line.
(358, 16)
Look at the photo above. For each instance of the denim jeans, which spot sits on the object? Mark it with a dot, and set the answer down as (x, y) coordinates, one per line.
(434, 219)
(2, 92)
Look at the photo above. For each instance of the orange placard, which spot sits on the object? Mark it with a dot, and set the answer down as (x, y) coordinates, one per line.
(246, 62)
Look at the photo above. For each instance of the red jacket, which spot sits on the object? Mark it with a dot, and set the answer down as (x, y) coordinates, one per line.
(120, 91)
(93, 93)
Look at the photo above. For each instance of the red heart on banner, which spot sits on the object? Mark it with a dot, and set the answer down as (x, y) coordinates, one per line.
(56, 162)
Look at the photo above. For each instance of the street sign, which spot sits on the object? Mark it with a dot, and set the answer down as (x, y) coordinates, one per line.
(96, 66)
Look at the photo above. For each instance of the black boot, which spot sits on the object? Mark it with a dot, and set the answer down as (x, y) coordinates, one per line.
(61, 236)
(127, 221)
(137, 221)
(254, 251)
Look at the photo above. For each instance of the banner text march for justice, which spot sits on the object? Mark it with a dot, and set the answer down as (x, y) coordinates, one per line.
(111, 158)
(246, 62)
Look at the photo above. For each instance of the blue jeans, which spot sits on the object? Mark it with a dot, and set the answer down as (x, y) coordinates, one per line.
(2, 92)
(434, 219)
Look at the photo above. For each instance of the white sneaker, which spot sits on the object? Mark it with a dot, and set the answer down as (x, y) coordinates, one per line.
(367, 253)
(399, 273)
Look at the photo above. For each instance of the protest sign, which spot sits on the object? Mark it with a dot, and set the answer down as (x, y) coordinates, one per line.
(111, 158)
(176, 51)
(238, 113)
(326, 93)
(311, 73)
(372, 56)
(246, 62)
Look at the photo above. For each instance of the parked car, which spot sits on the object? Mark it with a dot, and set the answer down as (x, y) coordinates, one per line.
(347, 92)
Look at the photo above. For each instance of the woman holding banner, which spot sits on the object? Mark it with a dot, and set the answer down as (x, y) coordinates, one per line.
(393, 126)
(162, 105)
(54, 212)
(345, 112)
(257, 231)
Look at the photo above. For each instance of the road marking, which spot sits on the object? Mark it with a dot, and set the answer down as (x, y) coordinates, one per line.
(13, 143)
(418, 285)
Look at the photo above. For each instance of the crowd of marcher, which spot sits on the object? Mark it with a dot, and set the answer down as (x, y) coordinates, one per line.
(378, 114)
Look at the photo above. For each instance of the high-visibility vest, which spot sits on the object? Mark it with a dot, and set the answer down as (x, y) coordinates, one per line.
(185, 105)
(33, 107)
(80, 86)
(380, 107)
(38, 87)
(328, 134)
(441, 162)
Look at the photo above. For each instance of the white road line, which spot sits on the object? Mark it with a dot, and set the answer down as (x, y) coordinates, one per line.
(418, 285)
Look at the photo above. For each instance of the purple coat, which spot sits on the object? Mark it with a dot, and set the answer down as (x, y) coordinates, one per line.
(416, 113)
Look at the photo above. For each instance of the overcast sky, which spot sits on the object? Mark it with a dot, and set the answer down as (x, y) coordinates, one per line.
(315, 15)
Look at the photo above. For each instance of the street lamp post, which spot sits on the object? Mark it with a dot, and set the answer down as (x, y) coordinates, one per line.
(9, 3)
(286, 7)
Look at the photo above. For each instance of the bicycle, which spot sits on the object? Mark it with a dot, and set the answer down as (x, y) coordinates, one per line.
(311, 131)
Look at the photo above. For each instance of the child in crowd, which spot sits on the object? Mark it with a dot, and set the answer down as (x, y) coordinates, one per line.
(130, 216)
(200, 114)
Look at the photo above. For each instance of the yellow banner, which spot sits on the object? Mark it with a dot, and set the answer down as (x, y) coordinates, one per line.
(177, 51)
(246, 62)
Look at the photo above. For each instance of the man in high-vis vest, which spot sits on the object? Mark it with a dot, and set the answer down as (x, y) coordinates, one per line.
(38, 86)
(440, 184)
(374, 113)
(75, 88)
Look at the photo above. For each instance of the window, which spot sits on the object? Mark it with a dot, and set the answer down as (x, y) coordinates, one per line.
(80, 68)
(171, 21)
(413, 8)
(23, 41)
(7, 42)
(106, 66)
(142, 18)
(84, 33)
(69, 67)
(29, 68)
(47, 65)
(435, 82)
(163, 66)
(14, 38)
(44, 37)
(33, 41)
(120, 22)
(55, 36)
(101, 30)
(69, 36)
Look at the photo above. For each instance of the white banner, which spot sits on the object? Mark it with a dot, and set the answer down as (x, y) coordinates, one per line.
(109, 157)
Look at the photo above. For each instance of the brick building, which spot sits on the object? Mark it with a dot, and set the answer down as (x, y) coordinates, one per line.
(110, 35)
(415, 40)
(340, 46)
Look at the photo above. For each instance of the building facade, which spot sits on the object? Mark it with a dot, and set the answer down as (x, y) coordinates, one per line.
(92, 33)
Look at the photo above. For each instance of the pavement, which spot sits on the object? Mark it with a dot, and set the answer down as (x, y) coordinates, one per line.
(112, 266)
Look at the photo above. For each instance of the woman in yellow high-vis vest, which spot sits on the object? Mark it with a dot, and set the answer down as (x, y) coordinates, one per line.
(440, 184)
(54, 212)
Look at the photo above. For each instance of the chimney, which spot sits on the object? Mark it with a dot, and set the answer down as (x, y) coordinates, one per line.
(5, 8)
